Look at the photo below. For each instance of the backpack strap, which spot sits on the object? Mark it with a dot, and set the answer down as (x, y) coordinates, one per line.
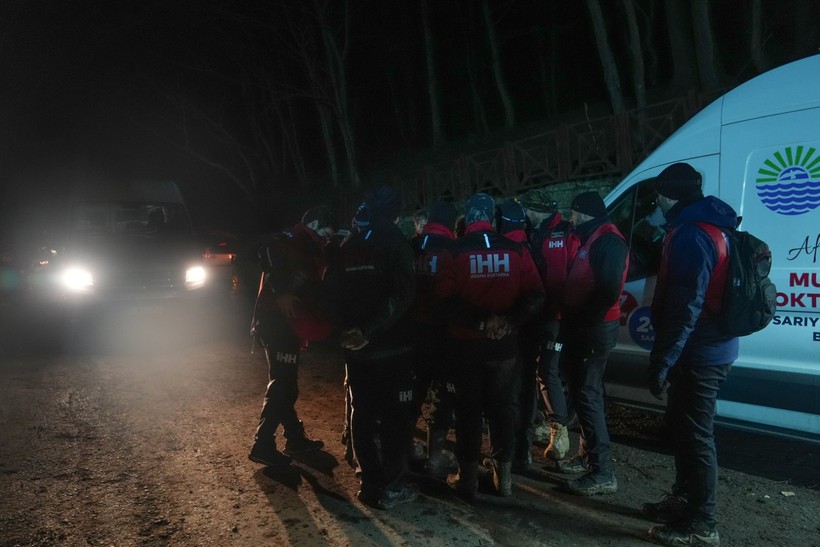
(717, 283)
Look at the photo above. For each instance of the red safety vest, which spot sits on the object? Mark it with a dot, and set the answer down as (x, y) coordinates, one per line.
(581, 279)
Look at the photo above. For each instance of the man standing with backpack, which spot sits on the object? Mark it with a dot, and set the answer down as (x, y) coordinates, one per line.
(691, 355)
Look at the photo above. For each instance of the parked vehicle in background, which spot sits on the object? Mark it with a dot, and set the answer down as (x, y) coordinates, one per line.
(758, 149)
(129, 241)
(219, 250)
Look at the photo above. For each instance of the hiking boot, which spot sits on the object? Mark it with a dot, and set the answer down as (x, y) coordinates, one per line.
(685, 535)
(502, 477)
(266, 454)
(575, 464)
(593, 483)
(541, 433)
(369, 497)
(404, 493)
(302, 445)
(441, 463)
(416, 452)
(559, 442)
(670, 509)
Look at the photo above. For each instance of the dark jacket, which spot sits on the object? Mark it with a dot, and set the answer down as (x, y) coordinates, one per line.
(684, 330)
(607, 259)
(292, 262)
(371, 285)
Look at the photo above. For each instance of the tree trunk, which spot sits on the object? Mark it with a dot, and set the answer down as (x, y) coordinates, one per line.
(756, 41)
(707, 58)
(479, 112)
(651, 52)
(498, 73)
(336, 58)
(432, 80)
(638, 78)
(678, 17)
(611, 77)
(326, 121)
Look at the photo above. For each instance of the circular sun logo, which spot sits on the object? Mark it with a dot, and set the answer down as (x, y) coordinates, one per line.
(789, 184)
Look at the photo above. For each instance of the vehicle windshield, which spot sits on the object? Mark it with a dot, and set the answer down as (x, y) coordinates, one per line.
(129, 220)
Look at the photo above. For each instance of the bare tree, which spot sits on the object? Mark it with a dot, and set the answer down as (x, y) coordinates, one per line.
(432, 78)
(636, 51)
(678, 24)
(335, 36)
(756, 41)
(479, 112)
(611, 76)
(498, 73)
(705, 46)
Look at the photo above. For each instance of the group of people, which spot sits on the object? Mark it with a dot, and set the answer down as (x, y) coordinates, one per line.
(520, 308)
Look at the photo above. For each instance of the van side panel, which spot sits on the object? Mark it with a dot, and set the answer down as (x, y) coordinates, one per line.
(759, 151)
(777, 158)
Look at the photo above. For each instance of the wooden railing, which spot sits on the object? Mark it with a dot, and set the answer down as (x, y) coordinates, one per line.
(598, 148)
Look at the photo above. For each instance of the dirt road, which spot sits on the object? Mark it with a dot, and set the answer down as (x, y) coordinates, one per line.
(143, 441)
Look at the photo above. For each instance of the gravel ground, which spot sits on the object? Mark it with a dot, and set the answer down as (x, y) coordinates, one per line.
(141, 438)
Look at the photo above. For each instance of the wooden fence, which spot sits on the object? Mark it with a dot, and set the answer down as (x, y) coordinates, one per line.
(594, 149)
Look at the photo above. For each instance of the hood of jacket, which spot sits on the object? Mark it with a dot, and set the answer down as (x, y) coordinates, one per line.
(708, 209)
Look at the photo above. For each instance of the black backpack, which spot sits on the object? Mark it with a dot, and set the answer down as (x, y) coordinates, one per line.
(749, 299)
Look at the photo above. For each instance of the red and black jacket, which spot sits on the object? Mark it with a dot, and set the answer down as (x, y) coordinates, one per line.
(553, 245)
(429, 250)
(488, 274)
(592, 291)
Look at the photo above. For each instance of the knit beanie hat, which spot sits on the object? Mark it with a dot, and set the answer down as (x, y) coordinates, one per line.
(511, 217)
(538, 200)
(480, 207)
(383, 202)
(678, 181)
(442, 212)
(589, 203)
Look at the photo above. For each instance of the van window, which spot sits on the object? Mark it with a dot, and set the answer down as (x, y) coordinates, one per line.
(130, 220)
(634, 213)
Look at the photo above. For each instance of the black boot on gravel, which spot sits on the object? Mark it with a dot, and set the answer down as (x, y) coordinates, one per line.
(266, 454)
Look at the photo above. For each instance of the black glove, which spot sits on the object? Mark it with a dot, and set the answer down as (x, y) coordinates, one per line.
(656, 381)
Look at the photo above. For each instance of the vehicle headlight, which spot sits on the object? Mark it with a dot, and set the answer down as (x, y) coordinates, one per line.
(78, 279)
(194, 277)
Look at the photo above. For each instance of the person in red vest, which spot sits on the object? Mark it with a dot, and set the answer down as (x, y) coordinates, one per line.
(553, 247)
(590, 314)
(285, 314)
(690, 354)
(492, 287)
(431, 366)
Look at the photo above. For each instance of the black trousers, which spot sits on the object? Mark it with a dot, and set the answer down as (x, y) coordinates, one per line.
(487, 384)
(585, 353)
(282, 349)
(432, 372)
(381, 421)
(690, 415)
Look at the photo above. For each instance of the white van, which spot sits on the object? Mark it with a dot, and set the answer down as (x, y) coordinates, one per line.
(758, 149)
(129, 241)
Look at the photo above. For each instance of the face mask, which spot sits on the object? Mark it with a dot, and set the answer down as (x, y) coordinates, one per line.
(656, 219)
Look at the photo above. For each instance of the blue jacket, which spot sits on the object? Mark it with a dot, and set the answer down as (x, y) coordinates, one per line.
(684, 333)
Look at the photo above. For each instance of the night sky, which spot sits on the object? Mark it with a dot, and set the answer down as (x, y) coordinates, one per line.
(88, 87)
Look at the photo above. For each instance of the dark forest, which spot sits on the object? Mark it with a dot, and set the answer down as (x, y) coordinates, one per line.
(251, 104)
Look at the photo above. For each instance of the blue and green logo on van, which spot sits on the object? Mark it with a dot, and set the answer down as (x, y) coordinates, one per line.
(789, 182)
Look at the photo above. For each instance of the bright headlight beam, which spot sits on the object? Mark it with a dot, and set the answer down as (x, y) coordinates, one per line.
(194, 277)
(78, 279)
